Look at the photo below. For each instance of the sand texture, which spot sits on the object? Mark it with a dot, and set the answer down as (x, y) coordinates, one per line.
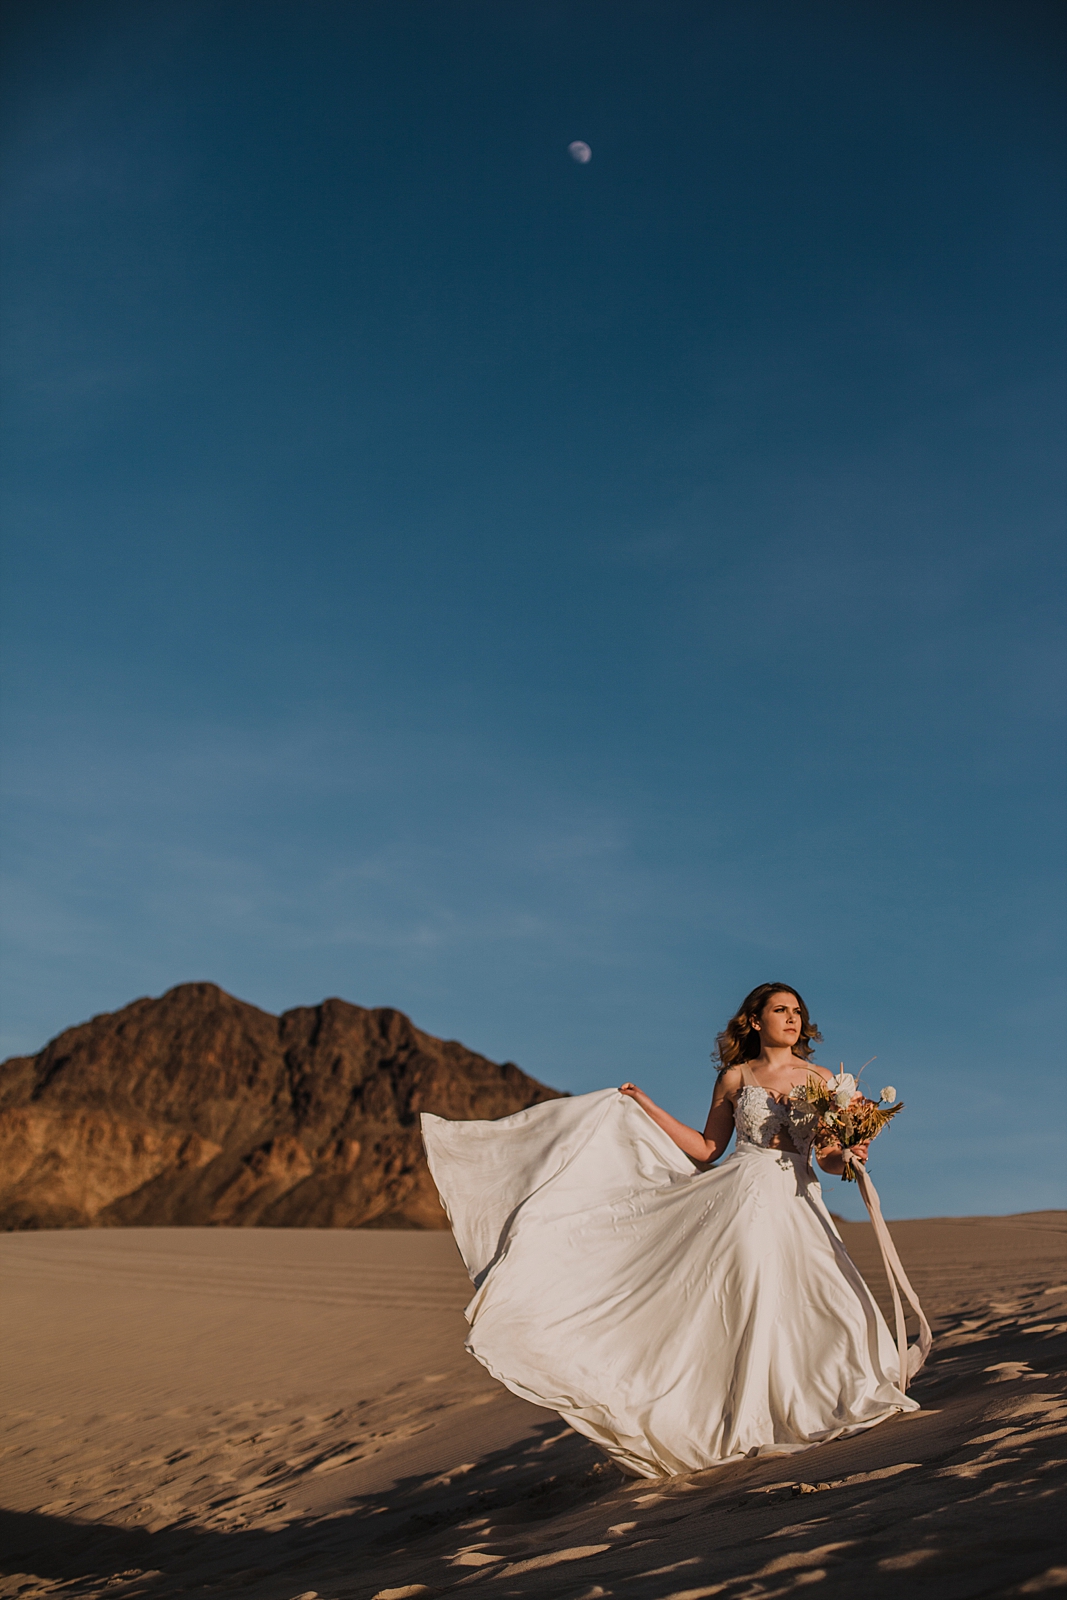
(291, 1413)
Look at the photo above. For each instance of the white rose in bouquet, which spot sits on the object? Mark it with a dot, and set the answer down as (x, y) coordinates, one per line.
(888, 1094)
(843, 1087)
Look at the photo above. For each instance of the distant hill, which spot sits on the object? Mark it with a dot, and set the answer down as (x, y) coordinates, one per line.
(199, 1110)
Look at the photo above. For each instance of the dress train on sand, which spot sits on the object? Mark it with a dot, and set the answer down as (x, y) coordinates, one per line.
(680, 1319)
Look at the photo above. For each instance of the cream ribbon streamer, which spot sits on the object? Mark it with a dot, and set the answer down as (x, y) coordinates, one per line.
(911, 1357)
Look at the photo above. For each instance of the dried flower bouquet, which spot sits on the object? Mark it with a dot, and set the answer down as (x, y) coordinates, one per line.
(843, 1115)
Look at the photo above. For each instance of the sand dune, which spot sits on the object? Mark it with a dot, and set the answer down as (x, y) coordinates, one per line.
(291, 1413)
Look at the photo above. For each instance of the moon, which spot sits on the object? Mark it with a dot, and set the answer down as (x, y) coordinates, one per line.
(579, 151)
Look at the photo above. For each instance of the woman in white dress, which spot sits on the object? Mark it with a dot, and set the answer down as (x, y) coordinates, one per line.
(679, 1310)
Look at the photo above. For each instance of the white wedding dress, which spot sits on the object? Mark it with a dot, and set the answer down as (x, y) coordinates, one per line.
(678, 1318)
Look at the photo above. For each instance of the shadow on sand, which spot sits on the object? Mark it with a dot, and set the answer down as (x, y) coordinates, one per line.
(549, 1471)
(963, 1499)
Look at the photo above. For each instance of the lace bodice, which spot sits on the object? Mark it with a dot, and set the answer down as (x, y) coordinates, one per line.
(759, 1117)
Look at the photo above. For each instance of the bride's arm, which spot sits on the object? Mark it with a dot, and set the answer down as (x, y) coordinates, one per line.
(703, 1148)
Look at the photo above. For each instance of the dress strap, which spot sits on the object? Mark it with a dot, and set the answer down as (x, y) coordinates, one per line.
(746, 1076)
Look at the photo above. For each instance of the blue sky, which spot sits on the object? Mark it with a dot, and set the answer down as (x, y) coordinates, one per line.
(549, 599)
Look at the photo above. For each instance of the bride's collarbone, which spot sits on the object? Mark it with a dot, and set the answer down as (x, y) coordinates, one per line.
(782, 1089)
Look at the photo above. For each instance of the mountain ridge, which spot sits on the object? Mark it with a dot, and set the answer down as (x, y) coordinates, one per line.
(199, 1109)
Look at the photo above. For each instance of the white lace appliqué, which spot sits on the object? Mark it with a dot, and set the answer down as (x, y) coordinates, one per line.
(759, 1118)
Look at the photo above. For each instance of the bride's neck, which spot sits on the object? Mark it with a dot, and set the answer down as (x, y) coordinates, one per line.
(777, 1055)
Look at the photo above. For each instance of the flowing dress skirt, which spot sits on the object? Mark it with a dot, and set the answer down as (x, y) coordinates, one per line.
(678, 1318)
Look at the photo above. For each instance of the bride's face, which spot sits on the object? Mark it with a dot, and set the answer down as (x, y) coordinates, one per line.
(780, 1020)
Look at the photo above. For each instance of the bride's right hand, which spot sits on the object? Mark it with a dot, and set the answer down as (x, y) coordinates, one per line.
(630, 1089)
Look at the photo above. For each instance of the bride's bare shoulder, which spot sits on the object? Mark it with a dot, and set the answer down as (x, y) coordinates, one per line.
(728, 1083)
(819, 1072)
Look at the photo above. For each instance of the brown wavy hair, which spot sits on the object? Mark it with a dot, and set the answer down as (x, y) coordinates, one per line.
(740, 1041)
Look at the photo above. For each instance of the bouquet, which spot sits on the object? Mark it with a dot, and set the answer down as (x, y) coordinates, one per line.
(844, 1115)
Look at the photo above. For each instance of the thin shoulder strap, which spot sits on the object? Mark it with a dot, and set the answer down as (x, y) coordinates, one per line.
(746, 1076)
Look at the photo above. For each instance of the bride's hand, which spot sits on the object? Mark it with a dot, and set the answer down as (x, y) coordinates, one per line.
(630, 1089)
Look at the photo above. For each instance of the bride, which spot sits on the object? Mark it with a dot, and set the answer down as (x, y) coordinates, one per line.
(679, 1310)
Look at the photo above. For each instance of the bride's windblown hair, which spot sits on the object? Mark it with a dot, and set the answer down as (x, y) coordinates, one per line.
(740, 1040)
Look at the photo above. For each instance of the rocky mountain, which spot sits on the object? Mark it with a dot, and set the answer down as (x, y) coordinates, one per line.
(199, 1110)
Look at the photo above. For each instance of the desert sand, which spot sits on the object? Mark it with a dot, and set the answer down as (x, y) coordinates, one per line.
(291, 1413)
